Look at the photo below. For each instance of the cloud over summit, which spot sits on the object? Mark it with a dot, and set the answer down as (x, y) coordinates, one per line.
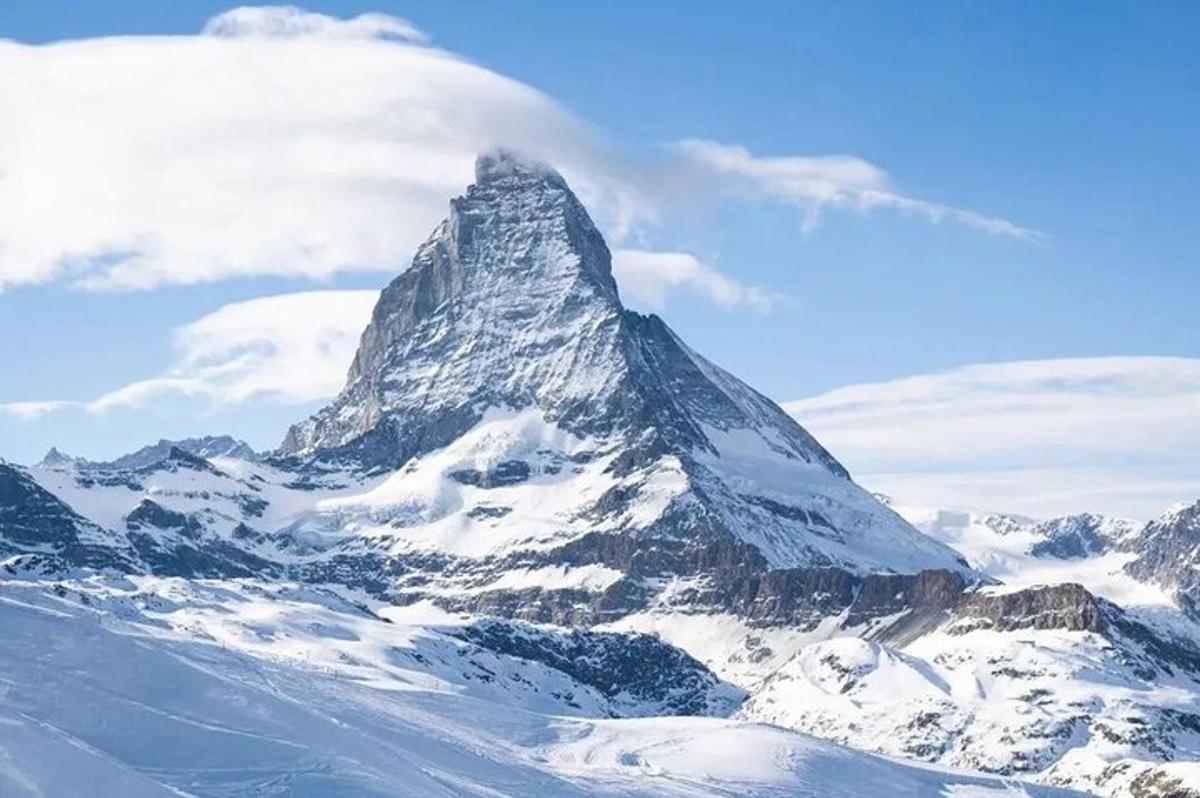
(284, 142)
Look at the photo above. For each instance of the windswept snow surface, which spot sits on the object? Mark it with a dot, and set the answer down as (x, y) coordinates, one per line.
(158, 687)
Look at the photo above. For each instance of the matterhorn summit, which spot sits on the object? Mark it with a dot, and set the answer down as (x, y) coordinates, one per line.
(510, 317)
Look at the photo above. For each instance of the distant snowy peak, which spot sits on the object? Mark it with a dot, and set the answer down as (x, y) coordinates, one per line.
(1007, 523)
(56, 459)
(205, 447)
(1065, 538)
(1082, 535)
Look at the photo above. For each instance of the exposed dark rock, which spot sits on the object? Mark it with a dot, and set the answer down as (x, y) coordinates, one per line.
(1155, 783)
(179, 546)
(508, 472)
(241, 532)
(1065, 606)
(635, 669)
(488, 511)
(151, 513)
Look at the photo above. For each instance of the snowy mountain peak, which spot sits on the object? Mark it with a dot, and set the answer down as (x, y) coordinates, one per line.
(504, 164)
(513, 449)
(505, 351)
(510, 303)
(165, 450)
(56, 459)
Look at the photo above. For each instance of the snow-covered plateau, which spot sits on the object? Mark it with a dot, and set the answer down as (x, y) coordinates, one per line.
(538, 546)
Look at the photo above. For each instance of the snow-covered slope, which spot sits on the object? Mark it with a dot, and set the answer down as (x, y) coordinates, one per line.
(148, 687)
(1049, 682)
(1074, 706)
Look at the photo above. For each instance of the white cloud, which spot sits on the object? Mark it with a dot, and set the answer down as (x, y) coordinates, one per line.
(282, 142)
(34, 410)
(291, 348)
(816, 183)
(648, 277)
(1115, 434)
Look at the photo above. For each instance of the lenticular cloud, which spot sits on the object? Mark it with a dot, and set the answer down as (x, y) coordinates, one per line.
(276, 142)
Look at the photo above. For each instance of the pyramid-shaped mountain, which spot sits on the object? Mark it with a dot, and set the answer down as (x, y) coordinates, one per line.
(525, 410)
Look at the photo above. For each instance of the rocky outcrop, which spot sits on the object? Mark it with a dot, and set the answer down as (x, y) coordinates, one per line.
(1071, 607)
(1157, 783)
(151, 513)
(1065, 606)
(172, 543)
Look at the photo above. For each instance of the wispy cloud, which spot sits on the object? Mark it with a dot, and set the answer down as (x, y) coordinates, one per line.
(818, 183)
(290, 22)
(283, 142)
(290, 348)
(33, 410)
(1118, 434)
(647, 278)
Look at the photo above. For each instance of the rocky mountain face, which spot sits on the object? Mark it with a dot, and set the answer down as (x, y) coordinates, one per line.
(587, 518)
(511, 303)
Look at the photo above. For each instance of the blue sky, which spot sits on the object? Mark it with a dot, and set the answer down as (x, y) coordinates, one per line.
(1076, 121)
